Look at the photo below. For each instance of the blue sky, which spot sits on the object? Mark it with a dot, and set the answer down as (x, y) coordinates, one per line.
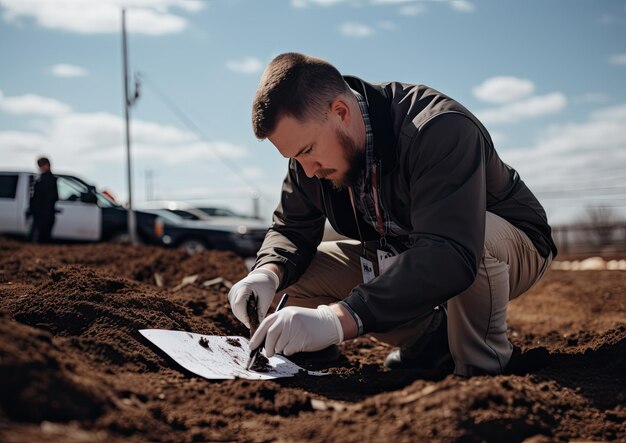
(546, 77)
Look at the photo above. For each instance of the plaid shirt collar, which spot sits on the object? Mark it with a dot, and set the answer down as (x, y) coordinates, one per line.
(369, 135)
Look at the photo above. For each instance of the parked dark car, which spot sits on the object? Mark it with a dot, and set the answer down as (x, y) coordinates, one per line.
(200, 235)
(215, 215)
(213, 211)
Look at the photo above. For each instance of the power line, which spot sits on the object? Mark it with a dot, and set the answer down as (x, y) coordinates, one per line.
(595, 180)
(193, 127)
(588, 198)
(584, 204)
(610, 190)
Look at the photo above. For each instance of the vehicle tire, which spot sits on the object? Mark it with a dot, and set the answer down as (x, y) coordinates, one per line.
(193, 245)
(124, 238)
(120, 237)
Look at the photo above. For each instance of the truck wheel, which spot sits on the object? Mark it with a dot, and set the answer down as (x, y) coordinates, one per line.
(192, 245)
(124, 238)
(120, 237)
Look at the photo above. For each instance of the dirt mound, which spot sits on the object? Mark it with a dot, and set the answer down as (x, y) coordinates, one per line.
(38, 383)
(101, 313)
(138, 263)
(74, 368)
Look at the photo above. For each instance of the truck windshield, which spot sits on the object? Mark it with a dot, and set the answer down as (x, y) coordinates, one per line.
(70, 188)
(104, 201)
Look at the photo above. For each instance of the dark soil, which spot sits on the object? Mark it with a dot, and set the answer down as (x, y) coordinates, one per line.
(260, 364)
(234, 342)
(74, 368)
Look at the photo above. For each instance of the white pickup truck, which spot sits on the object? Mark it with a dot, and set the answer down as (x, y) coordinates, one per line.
(83, 214)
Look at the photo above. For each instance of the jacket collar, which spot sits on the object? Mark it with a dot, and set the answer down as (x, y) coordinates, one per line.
(379, 107)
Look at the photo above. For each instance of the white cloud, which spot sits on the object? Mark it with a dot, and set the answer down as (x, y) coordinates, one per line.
(355, 30)
(591, 97)
(613, 113)
(387, 25)
(247, 65)
(411, 10)
(31, 104)
(14, 142)
(525, 109)
(407, 7)
(66, 70)
(186, 153)
(577, 155)
(608, 19)
(253, 173)
(618, 59)
(326, 2)
(323, 3)
(145, 21)
(502, 89)
(150, 17)
(84, 141)
(391, 2)
(96, 135)
(462, 5)
(498, 137)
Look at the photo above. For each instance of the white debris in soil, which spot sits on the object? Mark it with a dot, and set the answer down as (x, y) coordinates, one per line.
(590, 264)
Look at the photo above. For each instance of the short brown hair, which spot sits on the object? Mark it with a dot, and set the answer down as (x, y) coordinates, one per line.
(43, 161)
(297, 85)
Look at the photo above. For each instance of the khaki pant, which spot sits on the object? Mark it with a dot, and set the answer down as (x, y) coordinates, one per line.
(476, 318)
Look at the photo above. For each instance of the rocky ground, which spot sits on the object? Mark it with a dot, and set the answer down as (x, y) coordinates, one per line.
(74, 368)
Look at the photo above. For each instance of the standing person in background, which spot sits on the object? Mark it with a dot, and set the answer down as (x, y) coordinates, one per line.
(43, 197)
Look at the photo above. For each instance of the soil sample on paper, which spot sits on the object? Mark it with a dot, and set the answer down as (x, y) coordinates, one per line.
(253, 313)
(261, 364)
(233, 342)
(204, 343)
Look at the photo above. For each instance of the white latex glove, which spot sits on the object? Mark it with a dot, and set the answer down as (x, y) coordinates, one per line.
(263, 283)
(295, 329)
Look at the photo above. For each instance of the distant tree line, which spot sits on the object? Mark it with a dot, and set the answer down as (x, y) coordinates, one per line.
(603, 223)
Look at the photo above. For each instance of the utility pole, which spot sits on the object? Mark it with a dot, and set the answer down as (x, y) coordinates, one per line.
(149, 184)
(128, 102)
(256, 211)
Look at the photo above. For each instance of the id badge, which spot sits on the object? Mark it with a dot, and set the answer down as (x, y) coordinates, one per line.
(367, 269)
(385, 260)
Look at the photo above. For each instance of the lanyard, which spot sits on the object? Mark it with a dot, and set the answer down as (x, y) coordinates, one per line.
(356, 220)
(380, 227)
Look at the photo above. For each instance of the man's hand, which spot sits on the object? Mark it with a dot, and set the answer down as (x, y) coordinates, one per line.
(295, 329)
(261, 282)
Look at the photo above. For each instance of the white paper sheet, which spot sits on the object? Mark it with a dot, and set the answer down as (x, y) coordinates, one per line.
(225, 357)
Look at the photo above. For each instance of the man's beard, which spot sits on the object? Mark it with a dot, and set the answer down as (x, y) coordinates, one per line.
(355, 158)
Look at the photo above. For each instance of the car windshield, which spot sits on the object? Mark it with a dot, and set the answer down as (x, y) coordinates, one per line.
(166, 215)
(105, 202)
(189, 214)
(69, 189)
(220, 212)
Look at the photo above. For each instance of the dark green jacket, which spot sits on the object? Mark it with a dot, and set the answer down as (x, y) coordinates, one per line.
(439, 174)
